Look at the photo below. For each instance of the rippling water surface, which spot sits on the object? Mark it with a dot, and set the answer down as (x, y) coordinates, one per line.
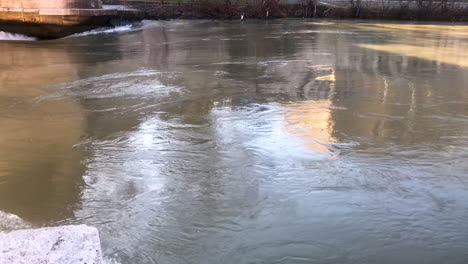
(282, 141)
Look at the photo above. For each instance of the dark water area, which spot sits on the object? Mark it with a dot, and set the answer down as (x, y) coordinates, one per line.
(282, 141)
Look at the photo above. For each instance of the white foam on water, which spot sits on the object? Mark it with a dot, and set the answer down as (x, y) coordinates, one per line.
(120, 29)
(13, 36)
(9, 222)
(106, 30)
(110, 260)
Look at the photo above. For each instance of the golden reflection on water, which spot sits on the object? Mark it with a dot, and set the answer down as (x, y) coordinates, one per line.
(323, 23)
(326, 75)
(441, 43)
(448, 30)
(330, 77)
(449, 55)
(312, 120)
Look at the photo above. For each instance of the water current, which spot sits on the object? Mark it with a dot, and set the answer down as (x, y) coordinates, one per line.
(278, 141)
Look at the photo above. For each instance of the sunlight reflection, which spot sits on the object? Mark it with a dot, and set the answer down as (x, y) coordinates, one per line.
(311, 120)
(430, 44)
(450, 30)
(445, 55)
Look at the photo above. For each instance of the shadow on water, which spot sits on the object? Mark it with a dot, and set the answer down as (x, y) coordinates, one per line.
(40, 170)
(256, 142)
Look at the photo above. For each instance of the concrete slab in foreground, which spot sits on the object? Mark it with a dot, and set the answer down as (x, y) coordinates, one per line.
(55, 245)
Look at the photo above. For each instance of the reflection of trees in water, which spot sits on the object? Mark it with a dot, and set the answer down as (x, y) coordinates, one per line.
(392, 98)
(384, 94)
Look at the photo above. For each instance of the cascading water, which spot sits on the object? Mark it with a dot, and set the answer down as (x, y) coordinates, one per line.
(13, 36)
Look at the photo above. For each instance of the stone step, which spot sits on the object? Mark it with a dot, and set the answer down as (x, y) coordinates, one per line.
(78, 244)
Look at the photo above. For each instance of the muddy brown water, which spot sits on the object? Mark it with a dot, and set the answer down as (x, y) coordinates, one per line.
(282, 141)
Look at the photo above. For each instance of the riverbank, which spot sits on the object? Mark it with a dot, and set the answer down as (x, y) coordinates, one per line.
(390, 10)
(57, 23)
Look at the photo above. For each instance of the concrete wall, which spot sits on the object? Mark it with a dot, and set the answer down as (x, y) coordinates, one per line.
(45, 4)
(48, 19)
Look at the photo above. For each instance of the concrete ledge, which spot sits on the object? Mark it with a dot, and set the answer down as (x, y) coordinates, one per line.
(55, 245)
(61, 11)
(51, 23)
(76, 12)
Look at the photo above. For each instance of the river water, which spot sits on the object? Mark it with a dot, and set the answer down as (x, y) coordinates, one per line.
(281, 141)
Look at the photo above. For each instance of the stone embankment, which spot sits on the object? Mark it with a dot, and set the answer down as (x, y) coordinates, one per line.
(55, 245)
